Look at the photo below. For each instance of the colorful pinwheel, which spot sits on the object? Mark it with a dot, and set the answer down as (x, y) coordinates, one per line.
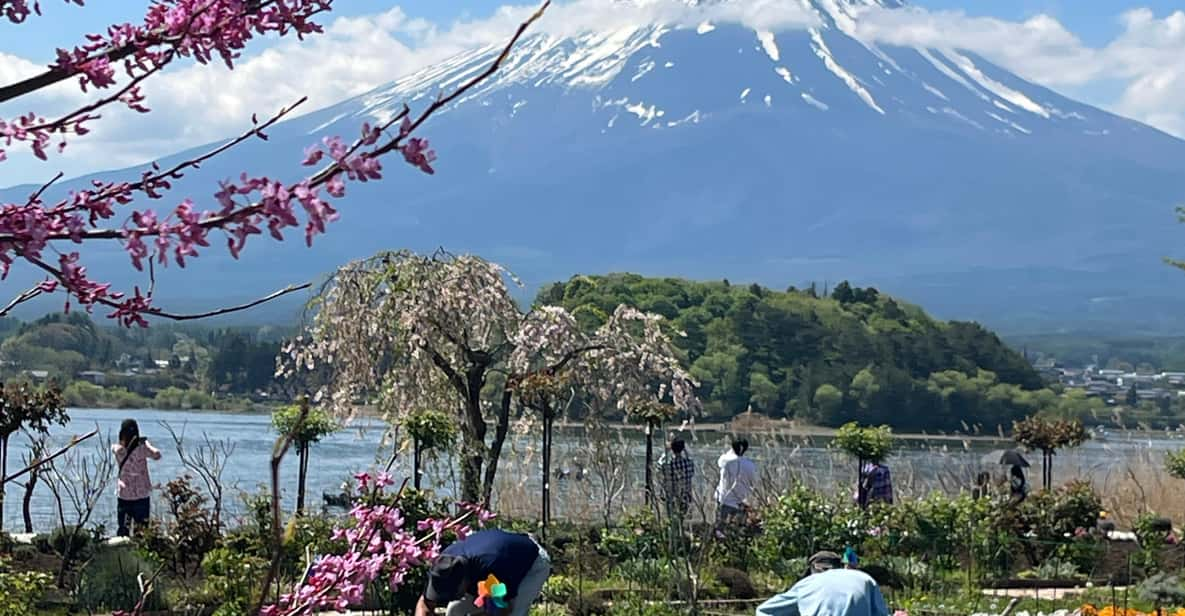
(491, 595)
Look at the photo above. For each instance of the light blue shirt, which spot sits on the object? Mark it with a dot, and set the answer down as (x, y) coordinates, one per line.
(839, 592)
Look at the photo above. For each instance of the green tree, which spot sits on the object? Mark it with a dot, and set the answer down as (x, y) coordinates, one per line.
(828, 400)
(1048, 436)
(317, 425)
(24, 406)
(1133, 397)
(865, 444)
(429, 431)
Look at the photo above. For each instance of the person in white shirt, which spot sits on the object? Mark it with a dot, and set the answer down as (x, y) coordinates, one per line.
(737, 476)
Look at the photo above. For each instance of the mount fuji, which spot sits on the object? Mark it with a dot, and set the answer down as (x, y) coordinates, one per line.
(708, 148)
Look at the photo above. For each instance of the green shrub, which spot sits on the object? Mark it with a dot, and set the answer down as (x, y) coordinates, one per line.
(66, 541)
(231, 582)
(738, 583)
(1162, 590)
(173, 398)
(187, 534)
(558, 589)
(649, 573)
(21, 591)
(6, 543)
(802, 522)
(634, 606)
(867, 444)
(588, 604)
(640, 535)
(110, 581)
(24, 553)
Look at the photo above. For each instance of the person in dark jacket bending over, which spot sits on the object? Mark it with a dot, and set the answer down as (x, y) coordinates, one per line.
(514, 559)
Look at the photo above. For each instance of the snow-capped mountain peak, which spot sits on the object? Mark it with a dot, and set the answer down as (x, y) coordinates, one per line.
(729, 140)
(808, 55)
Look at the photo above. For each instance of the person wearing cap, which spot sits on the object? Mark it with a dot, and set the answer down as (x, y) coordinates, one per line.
(831, 588)
(514, 559)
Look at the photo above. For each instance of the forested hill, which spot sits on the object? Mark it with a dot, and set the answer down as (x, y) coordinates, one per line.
(855, 354)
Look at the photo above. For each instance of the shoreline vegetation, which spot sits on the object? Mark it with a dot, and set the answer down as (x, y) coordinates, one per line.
(811, 356)
(747, 424)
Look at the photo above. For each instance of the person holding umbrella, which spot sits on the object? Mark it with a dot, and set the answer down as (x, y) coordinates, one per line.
(1018, 487)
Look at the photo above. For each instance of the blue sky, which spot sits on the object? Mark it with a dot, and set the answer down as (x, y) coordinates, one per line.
(1095, 21)
(1121, 55)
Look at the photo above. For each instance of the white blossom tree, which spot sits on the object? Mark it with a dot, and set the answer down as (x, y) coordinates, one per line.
(412, 332)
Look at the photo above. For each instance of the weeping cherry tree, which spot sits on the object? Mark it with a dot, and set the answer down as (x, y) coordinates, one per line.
(407, 331)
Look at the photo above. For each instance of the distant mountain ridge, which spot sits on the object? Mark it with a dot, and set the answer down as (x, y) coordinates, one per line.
(714, 151)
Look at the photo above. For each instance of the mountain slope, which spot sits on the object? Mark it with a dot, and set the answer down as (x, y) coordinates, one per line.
(714, 150)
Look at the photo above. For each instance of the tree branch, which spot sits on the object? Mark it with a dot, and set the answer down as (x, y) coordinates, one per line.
(40, 462)
(20, 299)
(53, 75)
(173, 316)
(115, 54)
(36, 196)
(292, 288)
(449, 372)
(328, 172)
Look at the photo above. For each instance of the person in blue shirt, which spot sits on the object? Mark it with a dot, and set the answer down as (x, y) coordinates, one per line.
(829, 590)
(515, 559)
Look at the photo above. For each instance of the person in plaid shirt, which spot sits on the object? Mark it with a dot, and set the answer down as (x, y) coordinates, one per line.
(677, 471)
(876, 485)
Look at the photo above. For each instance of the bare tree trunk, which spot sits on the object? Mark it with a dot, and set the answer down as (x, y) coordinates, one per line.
(548, 421)
(417, 472)
(26, 503)
(474, 438)
(861, 495)
(649, 462)
(302, 456)
(501, 429)
(3, 473)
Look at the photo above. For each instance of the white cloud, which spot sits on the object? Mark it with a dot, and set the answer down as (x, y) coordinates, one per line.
(1145, 58)
(195, 104)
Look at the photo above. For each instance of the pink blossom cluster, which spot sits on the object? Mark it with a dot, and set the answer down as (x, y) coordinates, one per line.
(199, 29)
(18, 11)
(379, 546)
(202, 30)
(247, 206)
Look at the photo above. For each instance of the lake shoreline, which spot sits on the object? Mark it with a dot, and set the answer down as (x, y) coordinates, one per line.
(748, 427)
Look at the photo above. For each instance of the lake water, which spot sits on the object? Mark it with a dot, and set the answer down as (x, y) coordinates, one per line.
(922, 465)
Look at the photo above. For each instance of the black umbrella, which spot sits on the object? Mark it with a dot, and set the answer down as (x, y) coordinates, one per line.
(1012, 457)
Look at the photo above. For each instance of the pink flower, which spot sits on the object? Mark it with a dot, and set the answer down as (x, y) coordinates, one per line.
(417, 154)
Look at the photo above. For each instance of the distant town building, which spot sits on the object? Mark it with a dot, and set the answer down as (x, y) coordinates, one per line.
(94, 376)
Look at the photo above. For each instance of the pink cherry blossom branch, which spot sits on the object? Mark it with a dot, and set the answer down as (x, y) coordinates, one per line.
(26, 231)
(330, 171)
(35, 197)
(171, 29)
(39, 131)
(150, 182)
(171, 24)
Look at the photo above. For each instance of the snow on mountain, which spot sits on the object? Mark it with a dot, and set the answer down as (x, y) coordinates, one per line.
(780, 150)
